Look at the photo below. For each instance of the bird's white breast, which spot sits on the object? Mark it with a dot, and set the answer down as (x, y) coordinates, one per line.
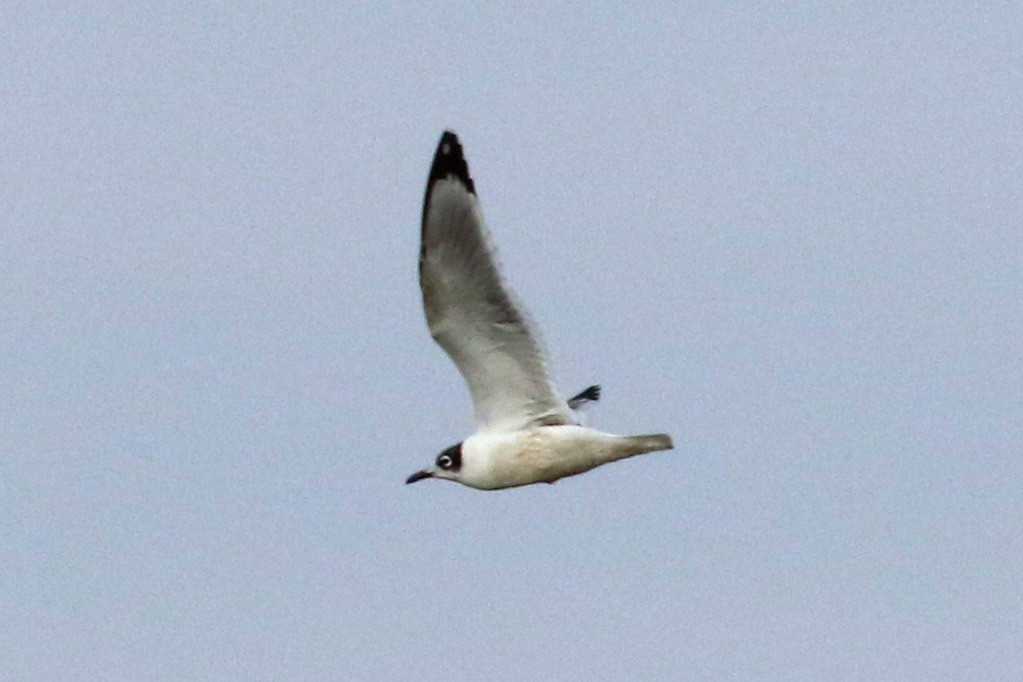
(540, 454)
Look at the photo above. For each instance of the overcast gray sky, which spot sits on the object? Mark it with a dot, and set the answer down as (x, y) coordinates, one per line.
(790, 237)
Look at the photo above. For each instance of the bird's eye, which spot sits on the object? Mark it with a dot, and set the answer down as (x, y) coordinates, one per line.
(444, 461)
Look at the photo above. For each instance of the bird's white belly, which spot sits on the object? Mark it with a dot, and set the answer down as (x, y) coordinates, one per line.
(539, 455)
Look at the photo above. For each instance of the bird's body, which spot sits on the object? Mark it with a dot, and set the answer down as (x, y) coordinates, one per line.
(543, 454)
(527, 432)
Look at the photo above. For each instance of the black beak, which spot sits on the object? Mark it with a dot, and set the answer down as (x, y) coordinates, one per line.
(418, 476)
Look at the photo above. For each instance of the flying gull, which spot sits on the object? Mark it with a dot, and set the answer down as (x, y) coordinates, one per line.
(526, 431)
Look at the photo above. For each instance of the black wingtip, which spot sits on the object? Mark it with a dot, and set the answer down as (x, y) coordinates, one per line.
(590, 395)
(449, 162)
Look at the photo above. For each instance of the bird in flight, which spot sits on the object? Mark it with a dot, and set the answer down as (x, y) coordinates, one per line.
(526, 431)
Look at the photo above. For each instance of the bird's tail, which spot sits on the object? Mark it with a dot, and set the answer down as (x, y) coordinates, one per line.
(639, 445)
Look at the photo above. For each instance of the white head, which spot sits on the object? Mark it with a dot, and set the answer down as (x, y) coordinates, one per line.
(448, 465)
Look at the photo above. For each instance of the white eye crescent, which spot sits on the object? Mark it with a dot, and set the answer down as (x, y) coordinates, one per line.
(444, 461)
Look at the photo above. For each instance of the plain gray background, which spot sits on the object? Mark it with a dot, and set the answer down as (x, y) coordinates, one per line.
(791, 237)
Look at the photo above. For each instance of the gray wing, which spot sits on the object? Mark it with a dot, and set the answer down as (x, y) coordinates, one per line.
(472, 314)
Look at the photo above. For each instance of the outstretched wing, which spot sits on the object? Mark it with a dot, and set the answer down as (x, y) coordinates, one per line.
(471, 313)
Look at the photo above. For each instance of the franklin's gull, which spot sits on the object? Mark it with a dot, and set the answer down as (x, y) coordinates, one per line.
(526, 432)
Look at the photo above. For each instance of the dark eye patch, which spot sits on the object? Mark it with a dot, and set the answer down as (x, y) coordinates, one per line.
(451, 459)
